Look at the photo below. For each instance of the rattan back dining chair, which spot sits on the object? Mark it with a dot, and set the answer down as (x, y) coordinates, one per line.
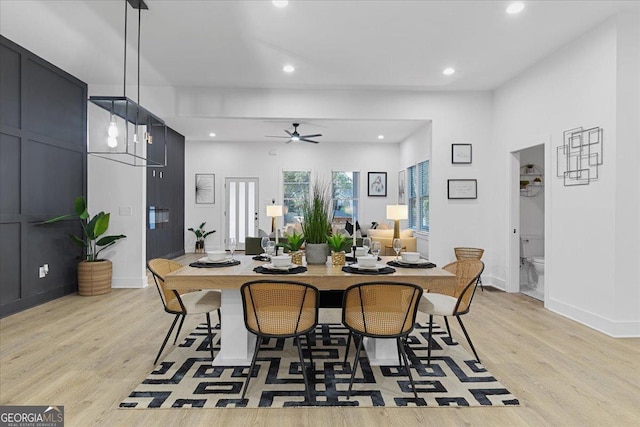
(470, 253)
(381, 310)
(182, 304)
(467, 272)
(280, 309)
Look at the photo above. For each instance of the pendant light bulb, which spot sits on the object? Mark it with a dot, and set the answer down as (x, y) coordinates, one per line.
(112, 142)
(113, 128)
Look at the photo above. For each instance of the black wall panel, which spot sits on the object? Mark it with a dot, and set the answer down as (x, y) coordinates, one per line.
(43, 164)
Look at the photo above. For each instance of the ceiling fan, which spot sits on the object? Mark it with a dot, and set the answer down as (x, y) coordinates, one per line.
(295, 136)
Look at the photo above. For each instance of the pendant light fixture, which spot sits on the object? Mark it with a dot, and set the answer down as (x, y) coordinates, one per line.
(124, 112)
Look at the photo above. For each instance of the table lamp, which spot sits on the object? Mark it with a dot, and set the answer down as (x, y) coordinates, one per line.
(396, 213)
(274, 211)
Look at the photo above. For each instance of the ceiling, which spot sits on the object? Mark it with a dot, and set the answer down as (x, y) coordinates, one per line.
(373, 45)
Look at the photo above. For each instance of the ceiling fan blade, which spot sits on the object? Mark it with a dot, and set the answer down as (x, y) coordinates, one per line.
(311, 136)
(308, 140)
(289, 141)
(290, 134)
(274, 136)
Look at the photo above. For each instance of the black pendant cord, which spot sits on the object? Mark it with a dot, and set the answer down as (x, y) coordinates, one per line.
(139, 22)
(124, 90)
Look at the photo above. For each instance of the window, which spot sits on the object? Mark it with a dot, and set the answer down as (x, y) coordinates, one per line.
(344, 191)
(418, 195)
(295, 185)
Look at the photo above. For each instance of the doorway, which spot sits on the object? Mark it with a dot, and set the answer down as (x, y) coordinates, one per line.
(241, 210)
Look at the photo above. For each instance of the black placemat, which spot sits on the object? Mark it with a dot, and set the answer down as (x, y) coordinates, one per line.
(351, 259)
(261, 258)
(296, 270)
(214, 264)
(385, 270)
(401, 265)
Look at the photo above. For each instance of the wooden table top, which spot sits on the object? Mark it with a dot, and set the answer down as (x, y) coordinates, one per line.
(324, 277)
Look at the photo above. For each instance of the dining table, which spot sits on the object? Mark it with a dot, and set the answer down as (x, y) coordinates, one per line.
(237, 343)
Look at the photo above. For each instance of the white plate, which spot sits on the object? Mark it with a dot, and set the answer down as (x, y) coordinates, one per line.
(418, 262)
(377, 267)
(210, 261)
(273, 267)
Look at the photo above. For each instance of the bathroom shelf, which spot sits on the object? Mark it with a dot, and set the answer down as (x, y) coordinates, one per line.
(533, 175)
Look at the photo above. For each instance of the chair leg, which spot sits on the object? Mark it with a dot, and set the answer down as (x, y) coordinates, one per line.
(468, 339)
(173, 325)
(479, 282)
(446, 322)
(430, 339)
(399, 352)
(355, 367)
(179, 329)
(346, 351)
(210, 335)
(219, 318)
(253, 363)
(304, 369)
(310, 354)
(406, 364)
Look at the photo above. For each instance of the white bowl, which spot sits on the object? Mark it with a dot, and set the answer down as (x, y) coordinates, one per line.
(360, 251)
(216, 255)
(367, 261)
(410, 256)
(281, 261)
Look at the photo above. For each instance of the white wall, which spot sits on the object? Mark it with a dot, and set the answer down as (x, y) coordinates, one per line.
(578, 86)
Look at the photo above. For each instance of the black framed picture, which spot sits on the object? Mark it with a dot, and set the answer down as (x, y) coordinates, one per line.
(205, 188)
(377, 184)
(462, 188)
(461, 153)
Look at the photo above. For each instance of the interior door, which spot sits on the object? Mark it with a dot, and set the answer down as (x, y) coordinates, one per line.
(241, 209)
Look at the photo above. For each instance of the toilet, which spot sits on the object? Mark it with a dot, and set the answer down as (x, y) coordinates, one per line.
(538, 266)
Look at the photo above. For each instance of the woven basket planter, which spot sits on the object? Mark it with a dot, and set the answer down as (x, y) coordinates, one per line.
(338, 258)
(94, 278)
(296, 257)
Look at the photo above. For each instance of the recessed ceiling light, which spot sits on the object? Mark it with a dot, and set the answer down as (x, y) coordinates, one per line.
(380, 136)
(212, 134)
(448, 71)
(515, 7)
(288, 69)
(280, 3)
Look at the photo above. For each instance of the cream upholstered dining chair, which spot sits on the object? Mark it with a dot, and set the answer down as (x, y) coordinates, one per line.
(467, 272)
(182, 304)
(470, 253)
(280, 309)
(380, 310)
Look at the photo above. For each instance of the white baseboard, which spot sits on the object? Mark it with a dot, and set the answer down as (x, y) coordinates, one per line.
(613, 328)
(129, 282)
(495, 282)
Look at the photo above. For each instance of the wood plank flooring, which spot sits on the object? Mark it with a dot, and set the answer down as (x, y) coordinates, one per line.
(88, 353)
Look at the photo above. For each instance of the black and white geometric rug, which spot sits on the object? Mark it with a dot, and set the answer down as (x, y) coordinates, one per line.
(187, 379)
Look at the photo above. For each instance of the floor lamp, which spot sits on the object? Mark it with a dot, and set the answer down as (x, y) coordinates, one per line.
(274, 211)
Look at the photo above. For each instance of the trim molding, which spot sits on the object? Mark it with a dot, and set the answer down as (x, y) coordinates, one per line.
(613, 328)
(129, 282)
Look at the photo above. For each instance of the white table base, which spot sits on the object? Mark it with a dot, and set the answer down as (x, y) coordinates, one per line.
(237, 343)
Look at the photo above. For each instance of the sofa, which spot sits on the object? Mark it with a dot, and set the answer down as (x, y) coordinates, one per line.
(385, 237)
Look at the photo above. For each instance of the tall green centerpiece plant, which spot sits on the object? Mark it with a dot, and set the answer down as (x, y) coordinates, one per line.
(94, 273)
(317, 222)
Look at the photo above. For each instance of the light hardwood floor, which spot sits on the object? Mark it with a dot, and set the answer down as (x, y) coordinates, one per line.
(88, 353)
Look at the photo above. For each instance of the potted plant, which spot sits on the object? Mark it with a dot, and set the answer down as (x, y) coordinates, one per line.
(293, 245)
(201, 235)
(338, 243)
(317, 222)
(94, 274)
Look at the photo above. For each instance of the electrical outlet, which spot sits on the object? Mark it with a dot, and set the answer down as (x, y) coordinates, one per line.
(42, 272)
(46, 269)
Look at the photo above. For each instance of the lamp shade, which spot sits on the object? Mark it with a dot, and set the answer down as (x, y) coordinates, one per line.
(274, 210)
(397, 212)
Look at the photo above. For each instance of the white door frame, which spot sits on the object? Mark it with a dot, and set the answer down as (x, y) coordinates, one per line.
(250, 216)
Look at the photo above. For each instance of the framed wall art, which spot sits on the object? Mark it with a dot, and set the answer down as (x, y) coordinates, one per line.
(402, 187)
(461, 153)
(462, 188)
(377, 184)
(205, 188)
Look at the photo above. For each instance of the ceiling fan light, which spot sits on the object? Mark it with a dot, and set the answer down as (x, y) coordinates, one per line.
(515, 7)
(295, 138)
(280, 3)
(448, 71)
(288, 68)
(380, 136)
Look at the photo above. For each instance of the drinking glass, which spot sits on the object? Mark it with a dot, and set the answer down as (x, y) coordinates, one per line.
(397, 246)
(366, 243)
(375, 249)
(232, 246)
(271, 246)
(264, 242)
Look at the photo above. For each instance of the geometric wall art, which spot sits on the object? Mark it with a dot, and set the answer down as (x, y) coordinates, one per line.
(579, 156)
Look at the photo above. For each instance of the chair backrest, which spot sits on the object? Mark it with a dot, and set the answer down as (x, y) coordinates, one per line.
(280, 308)
(465, 270)
(468, 253)
(160, 267)
(381, 309)
(469, 270)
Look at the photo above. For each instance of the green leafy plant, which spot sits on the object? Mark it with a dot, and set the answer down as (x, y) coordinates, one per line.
(294, 242)
(92, 229)
(317, 214)
(339, 242)
(200, 233)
